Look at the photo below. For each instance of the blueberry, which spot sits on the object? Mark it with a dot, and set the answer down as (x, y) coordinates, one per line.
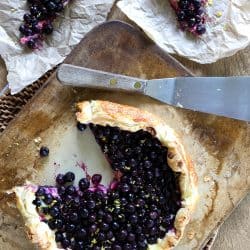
(70, 227)
(109, 235)
(73, 217)
(70, 190)
(142, 244)
(191, 22)
(101, 236)
(127, 246)
(91, 204)
(40, 191)
(84, 213)
(116, 247)
(61, 190)
(96, 179)
(60, 179)
(51, 6)
(69, 177)
(52, 224)
(93, 228)
(133, 219)
(81, 126)
(34, 10)
(25, 30)
(115, 226)
(152, 240)
(183, 4)
(59, 236)
(197, 3)
(124, 187)
(130, 208)
(131, 237)
(108, 218)
(48, 28)
(37, 202)
(104, 227)
(200, 29)
(153, 215)
(44, 151)
(122, 235)
(92, 218)
(59, 224)
(54, 211)
(48, 199)
(65, 243)
(59, 7)
(84, 184)
(45, 210)
(81, 233)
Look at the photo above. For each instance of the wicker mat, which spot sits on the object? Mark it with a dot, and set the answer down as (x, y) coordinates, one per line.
(10, 105)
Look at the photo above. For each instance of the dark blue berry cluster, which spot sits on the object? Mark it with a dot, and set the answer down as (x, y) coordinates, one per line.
(191, 15)
(137, 208)
(38, 22)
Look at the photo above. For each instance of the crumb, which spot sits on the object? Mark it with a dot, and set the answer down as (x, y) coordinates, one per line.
(179, 105)
(207, 178)
(37, 140)
(190, 235)
(210, 2)
(218, 14)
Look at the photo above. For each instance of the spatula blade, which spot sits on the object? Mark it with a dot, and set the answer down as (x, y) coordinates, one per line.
(224, 96)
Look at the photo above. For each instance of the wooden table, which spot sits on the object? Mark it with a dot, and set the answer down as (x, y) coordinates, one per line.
(234, 233)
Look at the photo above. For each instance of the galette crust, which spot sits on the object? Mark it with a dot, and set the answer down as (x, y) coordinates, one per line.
(131, 119)
(38, 232)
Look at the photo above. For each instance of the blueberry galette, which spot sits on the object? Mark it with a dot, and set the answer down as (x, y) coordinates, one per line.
(191, 15)
(147, 203)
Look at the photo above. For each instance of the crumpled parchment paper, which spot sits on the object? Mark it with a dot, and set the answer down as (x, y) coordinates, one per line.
(25, 66)
(228, 28)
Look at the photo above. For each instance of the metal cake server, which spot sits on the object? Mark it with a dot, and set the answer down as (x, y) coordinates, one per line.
(223, 96)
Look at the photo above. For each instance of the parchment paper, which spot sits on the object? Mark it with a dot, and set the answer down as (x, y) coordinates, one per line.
(228, 28)
(25, 66)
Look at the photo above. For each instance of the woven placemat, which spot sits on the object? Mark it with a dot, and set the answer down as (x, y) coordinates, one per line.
(10, 105)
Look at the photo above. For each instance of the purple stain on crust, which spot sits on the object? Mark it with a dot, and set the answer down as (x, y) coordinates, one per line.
(52, 190)
(31, 187)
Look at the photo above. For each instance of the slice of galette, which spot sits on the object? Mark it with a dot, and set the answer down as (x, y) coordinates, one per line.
(146, 205)
(191, 15)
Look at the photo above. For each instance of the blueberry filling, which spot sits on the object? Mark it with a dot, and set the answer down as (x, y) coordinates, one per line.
(39, 22)
(136, 209)
(191, 15)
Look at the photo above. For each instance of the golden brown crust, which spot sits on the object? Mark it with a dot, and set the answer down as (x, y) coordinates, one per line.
(133, 119)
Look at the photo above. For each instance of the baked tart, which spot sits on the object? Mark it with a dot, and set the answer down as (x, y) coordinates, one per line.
(147, 204)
